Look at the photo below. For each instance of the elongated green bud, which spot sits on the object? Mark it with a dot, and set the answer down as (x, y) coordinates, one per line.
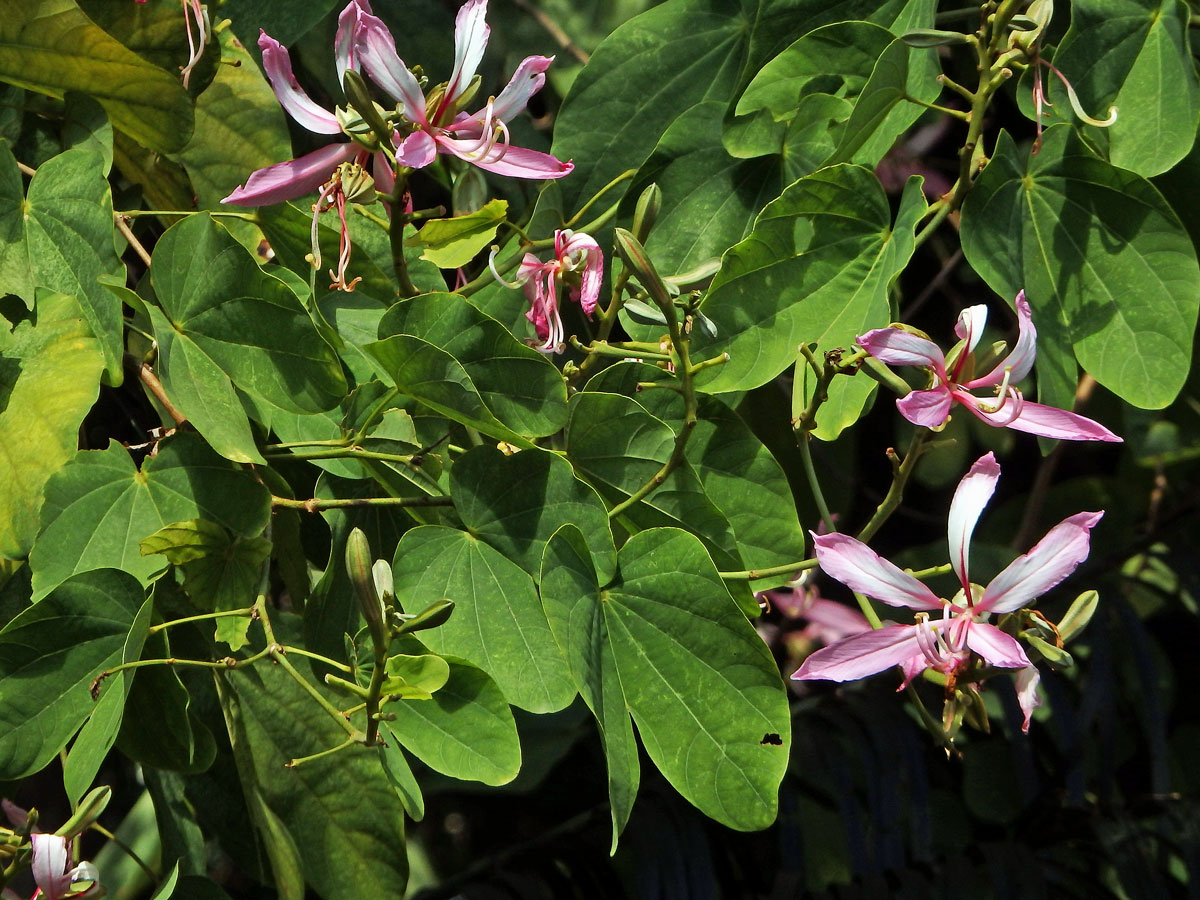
(1078, 615)
(360, 100)
(435, 614)
(358, 567)
(646, 212)
(87, 812)
(634, 255)
(933, 37)
(1056, 656)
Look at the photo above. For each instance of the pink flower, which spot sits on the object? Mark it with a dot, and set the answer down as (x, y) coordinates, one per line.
(51, 859)
(573, 252)
(947, 642)
(826, 621)
(297, 177)
(1008, 409)
(438, 124)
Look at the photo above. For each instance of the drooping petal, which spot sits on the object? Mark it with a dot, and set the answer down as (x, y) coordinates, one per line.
(861, 569)
(417, 150)
(470, 40)
(526, 81)
(345, 45)
(291, 179)
(51, 856)
(505, 159)
(1027, 680)
(926, 408)
(1051, 560)
(593, 268)
(861, 655)
(970, 497)
(17, 817)
(995, 646)
(1020, 361)
(970, 325)
(376, 51)
(278, 67)
(1051, 422)
(901, 348)
(381, 171)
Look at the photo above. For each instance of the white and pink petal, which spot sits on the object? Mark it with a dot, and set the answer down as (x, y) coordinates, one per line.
(1051, 560)
(861, 569)
(861, 655)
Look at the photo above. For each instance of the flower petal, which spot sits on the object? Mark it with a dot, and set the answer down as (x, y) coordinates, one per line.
(417, 150)
(470, 40)
(593, 268)
(926, 408)
(525, 82)
(376, 51)
(345, 45)
(970, 325)
(861, 569)
(1054, 557)
(902, 348)
(381, 171)
(291, 179)
(505, 159)
(861, 655)
(278, 67)
(1027, 680)
(995, 646)
(1048, 421)
(1020, 360)
(51, 855)
(970, 497)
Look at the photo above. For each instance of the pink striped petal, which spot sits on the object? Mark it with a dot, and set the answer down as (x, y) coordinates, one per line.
(376, 51)
(292, 179)
(417, 150)
(1020, 360)
(505, 159)
(1027, 680)
(1054, 557)
(970, 325)
(970, 497)
(861, 569)
(593, 268)
(278, 67)
(1048, 421)
(526, 81)
(861, 655)
(470, 40)
(926, 408)
(902, 348)
(51, 856)
(996, 647)
(381, 171)
(345, 44)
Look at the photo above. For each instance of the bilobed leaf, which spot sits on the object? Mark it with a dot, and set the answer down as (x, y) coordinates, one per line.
(518, 385)
(1135, 55)
(574, 607)
(816, 267)
(340, 812)
(497, 624)
(49, 378)
(415, 677)
(1104, 261)
(249, 324)
(51, 47)
(49, 655)
(99, 733)
(221, 571)
(99, 507)
(60, 237)
(466, 731)
(515, 503)
(450, 243)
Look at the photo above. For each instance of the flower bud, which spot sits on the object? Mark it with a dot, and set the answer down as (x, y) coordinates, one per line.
(358, 567)
(1078, 615)
(432, 616)
(646, 212)
(933, 37)
(87, 812)
(633, 254)
(360, 100)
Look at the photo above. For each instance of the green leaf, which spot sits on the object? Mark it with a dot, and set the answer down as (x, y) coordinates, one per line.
(99, 733)
(61, 237)
(575, 609)
(466, 731)
(700, 683)
(1105, 263)
(221, 571)
(49, 655)
(282, 19)
(816, 267)
(49, 378)
(99, 507)
(518, 385)
(517, 502)
(450, 243)
(415, 677)
(240, 126)
(340, 812)
(249, 324)
(1147, 72)
(497, 624)
(620, 447)
(87, 128)
(399, 773)
(52, 47)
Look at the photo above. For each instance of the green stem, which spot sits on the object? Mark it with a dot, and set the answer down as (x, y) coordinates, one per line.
(944, 110)
(127, 850)
(396, 240)
(932, 571)
(903, 471)
(885, 376)
(301, 760)
(941, 209)
(758, 574)
(247, 611)
(624, 176)
(342, 667)
(868, 610)
(614, 351)
(932, 725)
(343, 453)
(316, 504)
(814, 484)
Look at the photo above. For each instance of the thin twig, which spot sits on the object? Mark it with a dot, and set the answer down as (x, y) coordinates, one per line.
(553, 29)
(154, 386)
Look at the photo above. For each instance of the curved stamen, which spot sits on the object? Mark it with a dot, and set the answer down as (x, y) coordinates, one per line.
(1076, 105)
(1002, 391)
(319, 207)
(495, 272)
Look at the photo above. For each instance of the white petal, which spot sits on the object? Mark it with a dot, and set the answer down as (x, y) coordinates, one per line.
(971, 496)
(1054, 557)
(861, 569)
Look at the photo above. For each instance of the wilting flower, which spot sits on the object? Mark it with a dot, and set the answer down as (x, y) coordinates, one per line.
(51, 870)
(954, 383)
(578, 263)
(946, 643)
(308, 173)
(438, 123)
